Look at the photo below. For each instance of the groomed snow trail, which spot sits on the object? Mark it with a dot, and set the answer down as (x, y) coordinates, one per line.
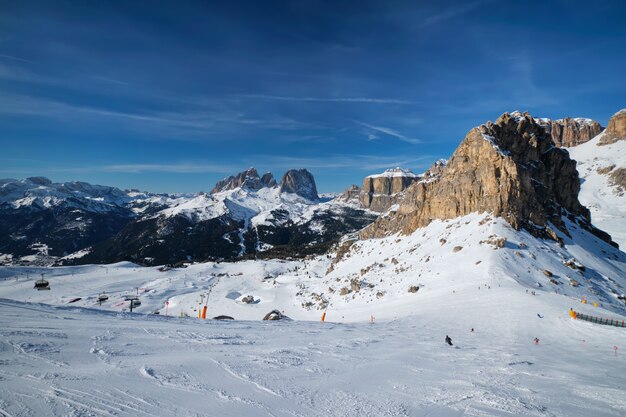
(74, 361)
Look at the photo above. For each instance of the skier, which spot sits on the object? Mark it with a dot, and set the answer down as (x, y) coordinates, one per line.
(536, 340)
(448, 340)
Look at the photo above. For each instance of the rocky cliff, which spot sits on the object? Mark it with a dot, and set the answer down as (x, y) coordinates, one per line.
(509, 168)
(616, 130)
(300, 182)
(247, 179)
(381, 191)
(351, 194)
(570, 132)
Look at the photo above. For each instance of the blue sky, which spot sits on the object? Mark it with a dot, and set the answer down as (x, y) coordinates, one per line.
(172, 96)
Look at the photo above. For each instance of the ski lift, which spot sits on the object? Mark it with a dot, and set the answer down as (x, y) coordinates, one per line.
(134, 302)
(42, 284)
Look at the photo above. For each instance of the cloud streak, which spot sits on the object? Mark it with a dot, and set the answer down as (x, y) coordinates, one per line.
(365, 100)
(387, 131)
(14, 58)
(179, 124)
(358, 162)
(180, 168)
(452, 12)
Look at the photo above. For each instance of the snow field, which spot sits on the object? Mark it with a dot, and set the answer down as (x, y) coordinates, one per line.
(606, 203)
(473, 272)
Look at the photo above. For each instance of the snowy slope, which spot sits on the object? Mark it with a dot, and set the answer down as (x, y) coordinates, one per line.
(88, 362)
(472, 272)
(606, 202)
(448, 260)
(256, 207)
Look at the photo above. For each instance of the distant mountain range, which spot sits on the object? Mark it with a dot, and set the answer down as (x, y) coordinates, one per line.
(516, 168)
(244, 215)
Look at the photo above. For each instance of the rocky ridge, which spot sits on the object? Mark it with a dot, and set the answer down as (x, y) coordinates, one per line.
(249, 179)
(510, 168)
(569, 131)
(616, 130)
(380, 192)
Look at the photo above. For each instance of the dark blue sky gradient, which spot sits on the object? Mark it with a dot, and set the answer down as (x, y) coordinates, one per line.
(172, 96)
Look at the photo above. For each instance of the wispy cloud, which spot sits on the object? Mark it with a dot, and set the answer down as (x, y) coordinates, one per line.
(110, 80)
(371, 135)
(358, 162)
(367, 100)
(176, 124)
(452, 12)
(201, 167)
(15, 58)
(179, 168)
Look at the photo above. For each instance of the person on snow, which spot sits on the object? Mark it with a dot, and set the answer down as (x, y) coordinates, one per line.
(536, 340)
(448, 340)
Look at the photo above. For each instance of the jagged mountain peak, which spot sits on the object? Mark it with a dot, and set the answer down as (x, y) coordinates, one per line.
(300, 182)
(248, 179)
(565, 132)
(510, 168)
(268, 180)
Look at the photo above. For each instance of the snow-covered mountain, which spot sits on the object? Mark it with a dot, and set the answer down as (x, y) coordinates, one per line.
(41, 220)
(382, 191)
(493, 250)
(244, 215)
(601, 163)
(388, 305)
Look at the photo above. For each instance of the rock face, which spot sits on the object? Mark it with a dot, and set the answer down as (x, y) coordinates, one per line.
(510, 168)
(247, 179)
(381, 191)
(616, 130)
(570, 132)
(300, 182)
(267, 180)
(352, 193)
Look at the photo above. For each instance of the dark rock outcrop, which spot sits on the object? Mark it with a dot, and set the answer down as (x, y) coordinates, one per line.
(268, 180)
(510, 168)
(616, 130)
(223, 317)
(570, 132)
(249, 179)
(300, 182)
(274, 315)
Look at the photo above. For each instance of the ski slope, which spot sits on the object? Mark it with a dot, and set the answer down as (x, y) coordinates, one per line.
(80, 358)
(75, 361)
